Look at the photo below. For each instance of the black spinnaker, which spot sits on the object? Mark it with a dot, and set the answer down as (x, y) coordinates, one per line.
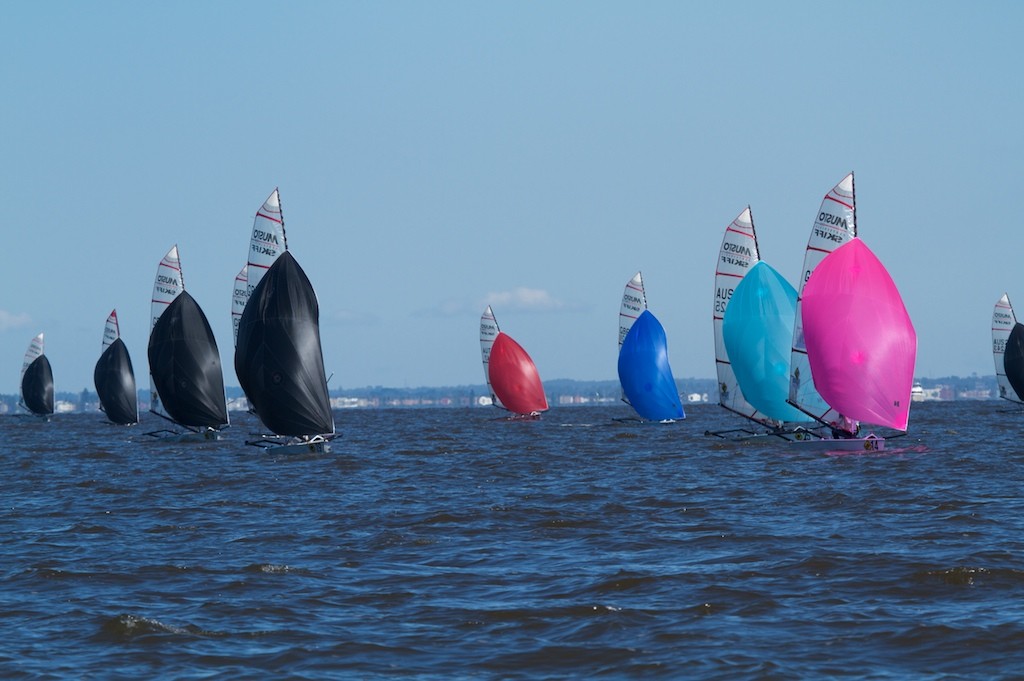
(185, 365)
(37, 386)
(278, 357)
(1013, 360)
(115, 384)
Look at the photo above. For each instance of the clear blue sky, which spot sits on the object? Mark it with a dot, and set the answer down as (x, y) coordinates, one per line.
(435, 157)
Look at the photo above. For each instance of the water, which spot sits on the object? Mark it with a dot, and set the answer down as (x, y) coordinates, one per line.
(438, 544)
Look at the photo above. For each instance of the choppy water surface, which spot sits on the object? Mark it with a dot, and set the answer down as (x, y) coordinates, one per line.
(442, 544)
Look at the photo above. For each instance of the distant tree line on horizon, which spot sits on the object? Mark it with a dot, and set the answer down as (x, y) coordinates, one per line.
(595, 390)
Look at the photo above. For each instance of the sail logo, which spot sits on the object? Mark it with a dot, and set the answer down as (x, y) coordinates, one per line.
(265, 237)
(1002, 315)
(260, 249)
(722, 296)
(999, 345)
(738, 262)
(834, 220)
(164, 279)
(737, 248)
(829, 235)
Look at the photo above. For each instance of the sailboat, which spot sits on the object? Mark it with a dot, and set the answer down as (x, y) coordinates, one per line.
(186, 381)
(858, 343)
(1008, 351)
(278, 357)
(644, 372)
(511, 375)
(37, 379)
(114, 377)
(741, 353)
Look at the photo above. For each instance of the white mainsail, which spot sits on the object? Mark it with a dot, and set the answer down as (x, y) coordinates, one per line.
(634, 302)
(488, 332)
(735, 258)
(111, 331)
(1003, 321)
(239, 297)
(35, 350)
(167, 286)
(834, 225)
(268, 240)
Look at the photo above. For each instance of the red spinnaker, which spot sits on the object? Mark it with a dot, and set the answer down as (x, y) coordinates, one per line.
(514, 377)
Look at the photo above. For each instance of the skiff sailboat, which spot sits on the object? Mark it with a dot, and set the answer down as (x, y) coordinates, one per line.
(37, 380)
(644, 372)
(511, 375)
(853, 337)
(752, 323)
(278, 357)
(1008, 351)
(186, 381)
(114, 377)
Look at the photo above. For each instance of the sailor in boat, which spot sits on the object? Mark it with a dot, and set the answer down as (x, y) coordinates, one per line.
(845, 429)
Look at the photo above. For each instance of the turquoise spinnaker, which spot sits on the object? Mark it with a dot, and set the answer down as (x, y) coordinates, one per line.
(645, 374)
(758, 334)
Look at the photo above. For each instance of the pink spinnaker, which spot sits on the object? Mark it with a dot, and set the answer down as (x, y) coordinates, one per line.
(860, 342)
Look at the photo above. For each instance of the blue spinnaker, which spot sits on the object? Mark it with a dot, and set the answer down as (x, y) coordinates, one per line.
(645, 374)
(758, 335)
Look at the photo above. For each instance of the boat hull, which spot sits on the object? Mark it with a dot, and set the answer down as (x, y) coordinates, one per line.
(856, 444)
(190, 436)
(272, 445)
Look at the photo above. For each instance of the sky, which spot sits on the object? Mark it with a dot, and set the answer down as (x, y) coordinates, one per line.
(436, 157)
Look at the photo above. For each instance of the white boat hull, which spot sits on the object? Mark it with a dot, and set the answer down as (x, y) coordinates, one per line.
(272, 445)
(320, 447)
(854, 444)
